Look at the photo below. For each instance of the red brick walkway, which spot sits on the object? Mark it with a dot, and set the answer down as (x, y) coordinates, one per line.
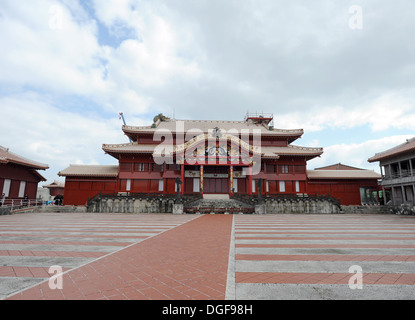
(186, 262)
(324, 278)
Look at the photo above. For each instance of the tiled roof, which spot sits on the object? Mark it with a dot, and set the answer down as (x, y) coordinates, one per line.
(268, 152)
(291, 150)
(198, 126)
(129, 147)
(343, 174)
(338, 166)
(90, 170)
(55, 184)
(408, 146)
(6, 156)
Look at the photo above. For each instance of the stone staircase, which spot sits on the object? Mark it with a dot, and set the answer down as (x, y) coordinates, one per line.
(218, 204)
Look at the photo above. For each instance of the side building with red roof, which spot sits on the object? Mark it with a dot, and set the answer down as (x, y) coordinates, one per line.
(55, 188)
(19, 176)
(351, 185)
(83, 182)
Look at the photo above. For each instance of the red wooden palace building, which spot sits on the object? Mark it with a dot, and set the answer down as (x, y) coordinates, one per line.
(55, 188)
(19, 176)
(227, 157)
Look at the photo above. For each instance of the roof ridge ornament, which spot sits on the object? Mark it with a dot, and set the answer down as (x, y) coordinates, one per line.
(217, 133)
(160, 117)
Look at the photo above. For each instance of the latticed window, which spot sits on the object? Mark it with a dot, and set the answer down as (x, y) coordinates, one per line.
(284, 169)
(297, 186)
(282, 186)
(141, 167)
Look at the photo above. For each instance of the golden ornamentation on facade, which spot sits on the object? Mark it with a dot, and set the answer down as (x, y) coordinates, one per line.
(225, 137)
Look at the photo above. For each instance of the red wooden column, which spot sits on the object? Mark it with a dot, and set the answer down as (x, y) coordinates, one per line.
(305, 185)
(182, 178)
(201, 179)
(249, 189)
(231, 180)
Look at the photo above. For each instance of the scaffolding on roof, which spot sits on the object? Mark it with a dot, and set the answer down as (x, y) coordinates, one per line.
(259, 118)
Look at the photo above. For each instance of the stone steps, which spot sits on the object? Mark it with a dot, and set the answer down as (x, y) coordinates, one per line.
(218, 206)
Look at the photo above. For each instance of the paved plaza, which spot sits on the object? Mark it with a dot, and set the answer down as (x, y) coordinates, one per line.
(207, 257)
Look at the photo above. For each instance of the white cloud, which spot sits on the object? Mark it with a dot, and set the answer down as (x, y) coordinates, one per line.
(357, 154)
(393, 110)
(34, 127)
(48, 47)
(64, 58)
(111, 12)
(151, 60)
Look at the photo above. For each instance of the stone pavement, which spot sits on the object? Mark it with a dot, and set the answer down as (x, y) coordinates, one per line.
(316, 257)
(207, 257)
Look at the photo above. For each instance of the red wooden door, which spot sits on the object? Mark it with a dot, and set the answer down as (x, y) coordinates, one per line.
(216, 185)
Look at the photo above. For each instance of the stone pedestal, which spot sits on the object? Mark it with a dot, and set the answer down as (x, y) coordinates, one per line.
(177, 208)
(260, 209)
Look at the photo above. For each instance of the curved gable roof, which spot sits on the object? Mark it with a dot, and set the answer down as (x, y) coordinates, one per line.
(6, 156)
(90, 171)
(408, 146)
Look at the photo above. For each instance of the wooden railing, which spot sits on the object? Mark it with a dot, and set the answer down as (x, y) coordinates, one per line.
(395, 175)
(14, 204)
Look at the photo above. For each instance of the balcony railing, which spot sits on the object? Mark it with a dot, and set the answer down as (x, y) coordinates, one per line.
(397, 175)
(14, 204)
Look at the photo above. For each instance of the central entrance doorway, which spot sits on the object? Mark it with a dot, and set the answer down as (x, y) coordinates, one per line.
(216, 185)
(216, 179)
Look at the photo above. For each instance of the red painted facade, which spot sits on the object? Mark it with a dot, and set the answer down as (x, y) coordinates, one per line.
(209, 162)
(79, 189)
(347, 191)
(18, 176)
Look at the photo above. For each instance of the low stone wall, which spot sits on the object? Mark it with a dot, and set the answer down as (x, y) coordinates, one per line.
(61, 209)
(166, 205)
(375, 209)
(403, 209)
(131, 205)
(4, 211)
(307, 206)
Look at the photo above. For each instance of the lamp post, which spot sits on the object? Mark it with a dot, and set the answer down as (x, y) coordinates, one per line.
(178, 185)
(259, 186)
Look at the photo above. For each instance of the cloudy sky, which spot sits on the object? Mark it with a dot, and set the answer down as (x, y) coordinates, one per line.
(344, 71)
